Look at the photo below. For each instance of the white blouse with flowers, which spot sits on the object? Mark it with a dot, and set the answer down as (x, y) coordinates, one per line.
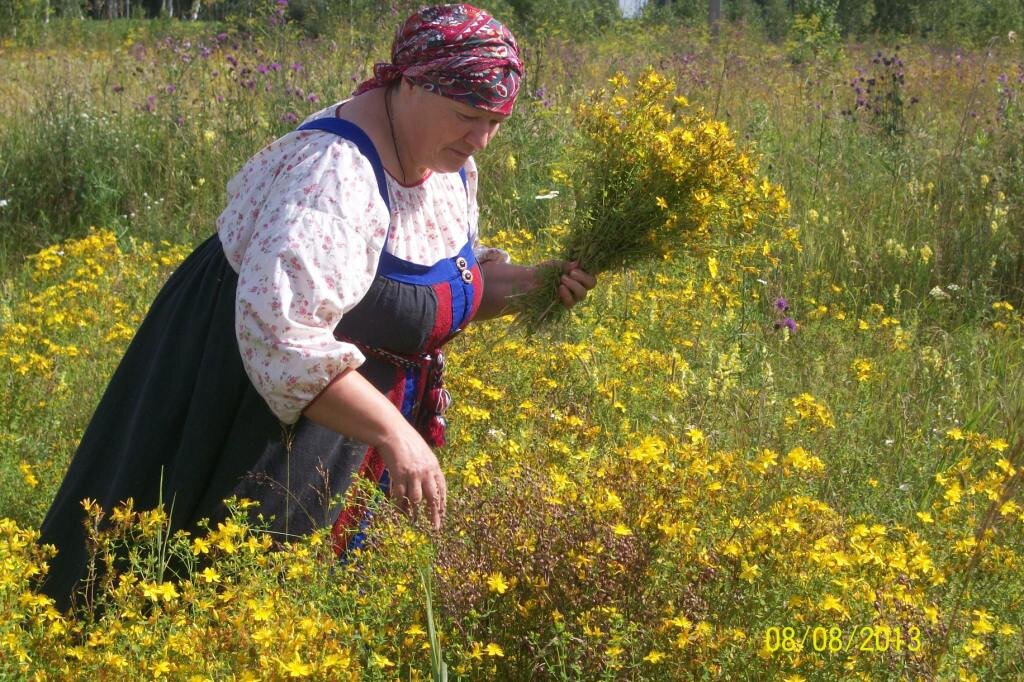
(303, 228)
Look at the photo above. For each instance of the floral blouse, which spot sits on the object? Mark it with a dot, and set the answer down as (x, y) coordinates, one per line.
(303, 228)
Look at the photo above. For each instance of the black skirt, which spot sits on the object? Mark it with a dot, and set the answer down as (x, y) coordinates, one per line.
(181, 422)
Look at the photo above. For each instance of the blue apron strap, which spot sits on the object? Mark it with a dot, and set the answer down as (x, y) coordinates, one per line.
(354, 134)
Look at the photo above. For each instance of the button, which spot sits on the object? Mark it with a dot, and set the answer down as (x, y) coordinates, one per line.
(461, 263)
(467, 276)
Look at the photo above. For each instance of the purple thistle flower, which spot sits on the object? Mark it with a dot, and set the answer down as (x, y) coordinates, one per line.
(789, 323)
(541, 95)
(290, 118)
(781, 304)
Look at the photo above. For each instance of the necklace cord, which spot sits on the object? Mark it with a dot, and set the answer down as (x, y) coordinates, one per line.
(391, 127)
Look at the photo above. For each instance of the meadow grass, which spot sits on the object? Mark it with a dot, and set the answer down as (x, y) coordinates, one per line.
(816, 427)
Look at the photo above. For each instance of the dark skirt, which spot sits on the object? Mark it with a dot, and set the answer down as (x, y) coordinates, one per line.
(181, 422)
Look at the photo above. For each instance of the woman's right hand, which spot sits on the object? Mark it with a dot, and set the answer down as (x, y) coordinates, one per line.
(353, 406)
(415, 474)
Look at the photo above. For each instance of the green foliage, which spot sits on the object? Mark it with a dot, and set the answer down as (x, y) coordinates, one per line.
(814, 32)
(22, 19)
(964, 21)
(1005, 197)
(777, 19)
(968, 22)
(688, 12)
(567, 18)
(855, 17)
(104, 168)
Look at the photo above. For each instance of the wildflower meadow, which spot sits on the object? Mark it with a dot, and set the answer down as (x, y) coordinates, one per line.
(783, 439)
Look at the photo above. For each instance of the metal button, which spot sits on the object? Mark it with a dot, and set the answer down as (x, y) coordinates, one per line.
(461, 263)
(467, 276)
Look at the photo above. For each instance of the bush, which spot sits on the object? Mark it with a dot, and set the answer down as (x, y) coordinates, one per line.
(544, 17)
(812, 36)
(21, 18)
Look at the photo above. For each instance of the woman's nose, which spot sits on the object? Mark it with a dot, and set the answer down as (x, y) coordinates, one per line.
(481, 134)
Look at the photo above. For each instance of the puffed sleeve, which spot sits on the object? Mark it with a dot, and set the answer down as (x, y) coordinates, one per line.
(482, 253)
(311, 258)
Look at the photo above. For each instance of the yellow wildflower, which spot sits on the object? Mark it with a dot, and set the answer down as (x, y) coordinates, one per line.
(496, 582)
(296, 667)
(379, 661)
(974, 648)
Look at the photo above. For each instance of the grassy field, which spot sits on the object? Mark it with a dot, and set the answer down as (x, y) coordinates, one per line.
(793, 453)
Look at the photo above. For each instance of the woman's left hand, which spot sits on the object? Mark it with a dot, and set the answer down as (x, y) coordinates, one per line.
(574, 284)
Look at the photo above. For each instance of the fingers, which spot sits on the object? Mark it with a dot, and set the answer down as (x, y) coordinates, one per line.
(588, 280)
(436, 502)
(574, 284)
(573, 289)
(439, 501)
(413, 496)
(410, 491)
(435, 513)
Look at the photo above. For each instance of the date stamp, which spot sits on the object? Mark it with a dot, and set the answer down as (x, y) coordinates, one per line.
(834, 639)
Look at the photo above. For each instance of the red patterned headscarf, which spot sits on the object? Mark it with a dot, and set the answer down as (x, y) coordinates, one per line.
(457, 51)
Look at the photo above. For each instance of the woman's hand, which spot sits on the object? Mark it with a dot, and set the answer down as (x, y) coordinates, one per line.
(353, 406)
(415, 474)
(574, 284)
(502, 281)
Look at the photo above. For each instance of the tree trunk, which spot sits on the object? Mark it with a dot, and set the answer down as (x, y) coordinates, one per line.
(195, 10)
(714, 15)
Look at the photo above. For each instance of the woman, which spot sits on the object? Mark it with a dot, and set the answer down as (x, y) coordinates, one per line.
(300, 344)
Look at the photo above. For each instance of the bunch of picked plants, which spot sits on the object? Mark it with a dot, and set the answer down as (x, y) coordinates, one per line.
(648, 173)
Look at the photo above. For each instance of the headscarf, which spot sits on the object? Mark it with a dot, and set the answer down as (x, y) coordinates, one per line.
(457, 51)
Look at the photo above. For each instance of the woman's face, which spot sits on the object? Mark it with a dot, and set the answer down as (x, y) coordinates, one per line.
(442, 133)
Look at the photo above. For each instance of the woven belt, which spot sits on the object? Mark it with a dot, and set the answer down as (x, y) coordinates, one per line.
(414, 361)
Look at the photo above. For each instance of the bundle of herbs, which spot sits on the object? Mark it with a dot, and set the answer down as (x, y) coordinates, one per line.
(648, 173)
